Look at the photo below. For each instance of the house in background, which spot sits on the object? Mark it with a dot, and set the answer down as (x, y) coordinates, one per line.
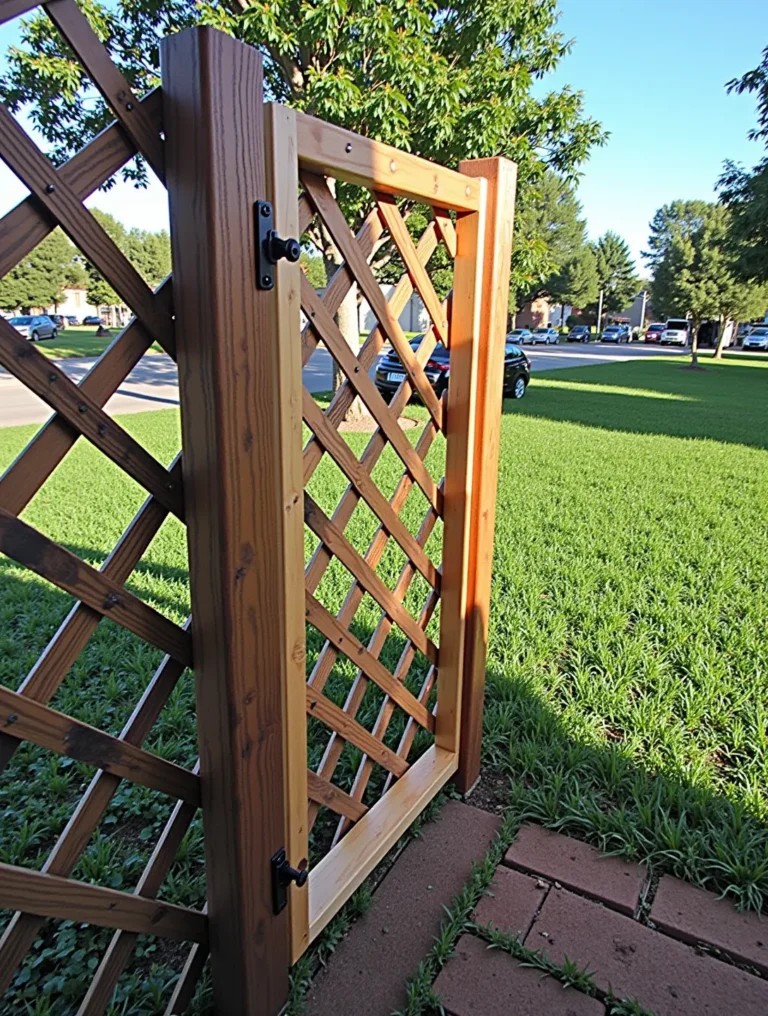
(75, 304)
(534, 314)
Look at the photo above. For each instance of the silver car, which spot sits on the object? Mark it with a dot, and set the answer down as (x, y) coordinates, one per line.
(546, 335)
(757, 339)
(34, 326)
(521, 336)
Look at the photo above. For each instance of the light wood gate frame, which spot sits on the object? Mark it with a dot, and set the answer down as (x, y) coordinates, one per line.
(240, 489)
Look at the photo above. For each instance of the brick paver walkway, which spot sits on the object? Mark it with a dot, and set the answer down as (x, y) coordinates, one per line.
(675, 949)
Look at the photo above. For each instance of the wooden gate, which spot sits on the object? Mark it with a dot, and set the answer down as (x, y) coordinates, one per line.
(375, 646)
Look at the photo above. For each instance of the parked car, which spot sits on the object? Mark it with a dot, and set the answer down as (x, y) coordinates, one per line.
(546, 335)
(59, 321)
(675, 333)
(72, 320)
(580, 333)
(390, 372)
(653, 332)
(757, 339)
(34, 326)
(615, 333)
(92, 319)
(523, 336)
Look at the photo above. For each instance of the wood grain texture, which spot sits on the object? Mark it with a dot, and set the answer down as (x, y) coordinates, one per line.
(321, 791)
(325, 622)
(64, 569)
(22, 930)
(466, 339)
(334, 219)
(325, 148)
(93, 56)
(67, 900)
(332, 716)
(422, 283)
(61, 202)
(26, 225)
(500, 175)
(229, 381)
(341, 871)
(283, 188)
(46, 379)
(13, 8)
(31, 721)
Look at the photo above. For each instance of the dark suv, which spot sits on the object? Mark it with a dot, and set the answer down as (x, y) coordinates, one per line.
(390, 372)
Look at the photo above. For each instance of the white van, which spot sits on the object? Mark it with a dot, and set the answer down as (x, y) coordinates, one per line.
(675, 333)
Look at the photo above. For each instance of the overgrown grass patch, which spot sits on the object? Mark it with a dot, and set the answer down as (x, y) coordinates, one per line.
(628, 669)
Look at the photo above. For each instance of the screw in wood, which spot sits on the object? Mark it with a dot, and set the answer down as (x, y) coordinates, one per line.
(348, 148)
(50, 188)
(129, 107)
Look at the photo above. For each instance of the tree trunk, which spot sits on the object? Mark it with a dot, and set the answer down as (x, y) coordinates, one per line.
(725, 331)
(695, 343)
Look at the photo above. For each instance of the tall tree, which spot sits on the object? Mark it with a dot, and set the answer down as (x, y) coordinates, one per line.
(576, 283)
(549, 235)
(745, 192)
(445, 80)
(38, 280)
(693, 268)
(149, 252)
(616, 275)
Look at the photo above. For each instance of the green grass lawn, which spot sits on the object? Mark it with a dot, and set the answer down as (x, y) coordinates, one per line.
(80, 341)
(628, 669)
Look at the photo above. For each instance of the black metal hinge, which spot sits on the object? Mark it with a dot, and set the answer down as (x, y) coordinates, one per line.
(282, 876)
(270, 248)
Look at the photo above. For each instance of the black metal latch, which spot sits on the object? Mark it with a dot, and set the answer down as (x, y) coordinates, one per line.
(282, 876)
(270, 248)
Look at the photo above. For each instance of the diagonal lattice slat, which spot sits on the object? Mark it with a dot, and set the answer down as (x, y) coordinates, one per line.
(56, 200)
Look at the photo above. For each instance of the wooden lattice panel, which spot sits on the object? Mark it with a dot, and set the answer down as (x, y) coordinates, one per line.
(32, 896)
(406, 703)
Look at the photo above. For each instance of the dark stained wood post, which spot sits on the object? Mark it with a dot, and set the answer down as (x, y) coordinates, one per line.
(239, 452)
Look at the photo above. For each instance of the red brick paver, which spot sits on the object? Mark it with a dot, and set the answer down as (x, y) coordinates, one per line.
(513, 901)
(368, 972)
(578, 866)
(690, 913)
(637, 962)
(479, 981)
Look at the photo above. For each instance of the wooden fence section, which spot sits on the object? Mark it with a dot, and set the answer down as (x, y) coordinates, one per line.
(56, 198)
(400, 704)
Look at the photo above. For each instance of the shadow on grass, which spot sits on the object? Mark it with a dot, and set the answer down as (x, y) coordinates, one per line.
(725, 402)
(598, 792)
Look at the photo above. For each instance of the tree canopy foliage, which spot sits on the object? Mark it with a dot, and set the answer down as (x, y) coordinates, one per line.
(149, 252)
(693, 272)
(551, 256)
(616, 274)
(445, 80)
(40, 277)
(745, 192)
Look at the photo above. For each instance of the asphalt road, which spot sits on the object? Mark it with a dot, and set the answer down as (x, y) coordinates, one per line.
(153, 382)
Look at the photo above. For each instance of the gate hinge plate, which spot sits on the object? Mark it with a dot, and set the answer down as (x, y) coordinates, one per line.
(270, 248)
(282, 876)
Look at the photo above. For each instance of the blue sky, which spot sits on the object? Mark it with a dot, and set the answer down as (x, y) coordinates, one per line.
(653, 73)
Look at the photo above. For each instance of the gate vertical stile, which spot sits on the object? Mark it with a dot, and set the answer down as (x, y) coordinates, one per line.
(500, 175)
(242, 464)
